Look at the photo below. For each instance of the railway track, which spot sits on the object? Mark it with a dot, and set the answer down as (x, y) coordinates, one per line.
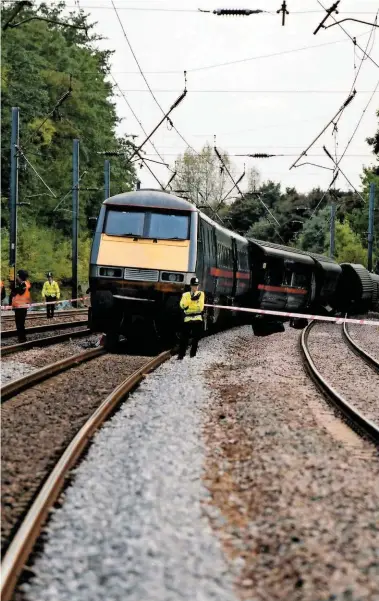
(51, 327)
(353, 415)
(41, 315)
(16, 386)
(42, 342)
(29, 529)
(358, 350)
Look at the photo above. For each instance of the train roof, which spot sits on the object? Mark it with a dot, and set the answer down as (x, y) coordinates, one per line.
(149, 198)
(223, 229)
(270, 248)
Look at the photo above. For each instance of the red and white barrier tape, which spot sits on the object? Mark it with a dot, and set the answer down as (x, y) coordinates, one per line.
(64, 300)
(337, 320)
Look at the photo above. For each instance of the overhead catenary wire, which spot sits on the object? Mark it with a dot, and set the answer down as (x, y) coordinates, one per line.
(242, 60)
(239, 91)
(68, 192)
(363, 58)
(358, 124)
(148, 85)
(136, 118)
(243, 195)
(21, 153)
(342, 108)
(348, 34)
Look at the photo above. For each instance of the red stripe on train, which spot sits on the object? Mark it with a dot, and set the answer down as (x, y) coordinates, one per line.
(224, 273)
(284, 289)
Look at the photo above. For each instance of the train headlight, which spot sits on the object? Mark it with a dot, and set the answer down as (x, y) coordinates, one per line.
(110, 272)
(172, 277)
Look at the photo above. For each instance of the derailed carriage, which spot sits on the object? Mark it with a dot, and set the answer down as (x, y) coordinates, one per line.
(148, 244)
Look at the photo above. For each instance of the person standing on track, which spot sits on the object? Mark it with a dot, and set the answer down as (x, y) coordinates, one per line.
(20, 298)
(192, 303)
(50, 294)
(3, 293)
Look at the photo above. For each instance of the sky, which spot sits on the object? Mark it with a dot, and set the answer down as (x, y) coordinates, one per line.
(250, 82)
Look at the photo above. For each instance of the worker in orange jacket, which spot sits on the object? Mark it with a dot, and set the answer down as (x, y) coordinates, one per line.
(3, 294)
(20, 299)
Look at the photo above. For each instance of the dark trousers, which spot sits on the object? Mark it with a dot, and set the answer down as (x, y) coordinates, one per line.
(20, 316)
(50, 308)
(190, 329)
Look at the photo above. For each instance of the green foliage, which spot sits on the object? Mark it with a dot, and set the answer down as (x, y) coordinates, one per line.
(348, 247)
(40, 250)
(315, 232)
(40, 61)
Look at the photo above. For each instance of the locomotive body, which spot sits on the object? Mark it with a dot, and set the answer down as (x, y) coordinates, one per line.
(148, 244)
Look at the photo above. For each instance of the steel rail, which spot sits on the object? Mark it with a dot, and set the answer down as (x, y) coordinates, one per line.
(62, 325)
(42, 315)
(17, 386)
(358, 350)
(348, 410)
(26, 536)
(41, 342)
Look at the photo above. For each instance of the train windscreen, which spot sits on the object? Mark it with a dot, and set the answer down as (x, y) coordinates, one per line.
(149, 224)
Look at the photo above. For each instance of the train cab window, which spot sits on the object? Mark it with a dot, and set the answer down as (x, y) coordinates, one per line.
(124, 223)
(147, 224)
(164, 227)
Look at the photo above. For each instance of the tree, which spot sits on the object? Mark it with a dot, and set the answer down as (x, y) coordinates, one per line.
(202, 178)
(348, 247)
(374, 142)
(315, 231)
(38, 58)
(40, 61)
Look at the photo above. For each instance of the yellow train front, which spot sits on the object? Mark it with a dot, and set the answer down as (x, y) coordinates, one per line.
(143, 256)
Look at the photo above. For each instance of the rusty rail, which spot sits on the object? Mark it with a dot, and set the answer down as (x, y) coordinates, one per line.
(17, 386)
(62, 325)
(351, 413)
(26, 536)
(358, 350)
(41, 342)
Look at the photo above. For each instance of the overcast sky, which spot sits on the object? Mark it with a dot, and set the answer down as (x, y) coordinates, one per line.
(276, 104)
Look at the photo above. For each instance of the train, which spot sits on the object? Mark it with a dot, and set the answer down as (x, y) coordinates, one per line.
(148, 244)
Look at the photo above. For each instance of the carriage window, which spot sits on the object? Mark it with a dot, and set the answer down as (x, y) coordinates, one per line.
(124, 223)
(299, 280)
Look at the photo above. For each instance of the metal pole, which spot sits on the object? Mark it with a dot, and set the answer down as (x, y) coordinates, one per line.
(13, 197)
(75, 218)
(107, 179)
(370, 236)
(332, 228)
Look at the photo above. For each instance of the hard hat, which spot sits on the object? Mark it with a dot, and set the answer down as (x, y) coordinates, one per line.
(49, 274)
(194, 282)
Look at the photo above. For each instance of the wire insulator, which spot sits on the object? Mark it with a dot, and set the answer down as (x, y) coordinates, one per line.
(236, 12)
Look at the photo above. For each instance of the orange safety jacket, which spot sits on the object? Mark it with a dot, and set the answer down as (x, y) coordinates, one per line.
(19, 301)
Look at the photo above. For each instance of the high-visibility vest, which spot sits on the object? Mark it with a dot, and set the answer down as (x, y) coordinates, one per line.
(193, 309)
(51, 289)
(19, 301)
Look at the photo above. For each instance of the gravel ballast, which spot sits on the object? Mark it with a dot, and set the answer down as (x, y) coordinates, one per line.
(347, 373)
(132, 525)
(238, 440)
(367, 337)
(38, 424)
(25, 362)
